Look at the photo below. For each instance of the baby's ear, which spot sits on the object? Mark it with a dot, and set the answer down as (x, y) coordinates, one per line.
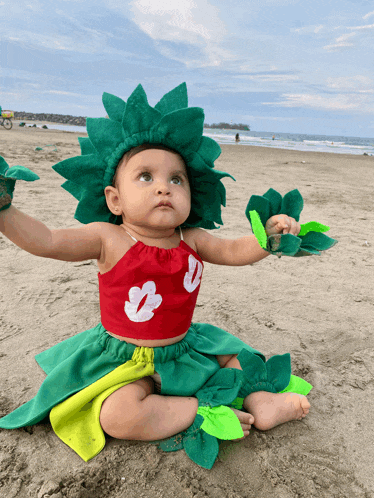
(112, 200)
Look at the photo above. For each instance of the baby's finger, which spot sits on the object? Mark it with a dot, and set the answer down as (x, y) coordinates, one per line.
(293, 227)
(297, 228)
(286, 224)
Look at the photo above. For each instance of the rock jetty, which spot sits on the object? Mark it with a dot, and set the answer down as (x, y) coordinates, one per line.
(52, 118)
(227, 126)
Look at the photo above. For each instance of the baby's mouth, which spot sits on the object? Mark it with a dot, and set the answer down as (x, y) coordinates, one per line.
(164, 204)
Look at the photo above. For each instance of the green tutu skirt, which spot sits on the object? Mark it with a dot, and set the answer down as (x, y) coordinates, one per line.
(85, 369)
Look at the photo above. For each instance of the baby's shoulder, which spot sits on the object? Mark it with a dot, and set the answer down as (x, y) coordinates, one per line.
(107, 230)
(115, 244)
(190, 237)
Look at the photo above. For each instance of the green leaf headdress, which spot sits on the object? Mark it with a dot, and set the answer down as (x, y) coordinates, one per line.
(171, 123)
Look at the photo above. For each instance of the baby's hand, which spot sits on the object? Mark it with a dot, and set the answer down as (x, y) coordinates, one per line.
(281, 223)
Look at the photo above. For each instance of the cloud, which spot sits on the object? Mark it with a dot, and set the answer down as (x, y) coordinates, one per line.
(370, 14)
(308, 29)
(184, 22)
(340, 102)
(180, 20)
(69, 94)
(340, 42)
(269, 78)
(357, 84)
(368, 26)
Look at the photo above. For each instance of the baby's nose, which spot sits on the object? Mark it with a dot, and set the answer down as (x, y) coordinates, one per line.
(163, 188)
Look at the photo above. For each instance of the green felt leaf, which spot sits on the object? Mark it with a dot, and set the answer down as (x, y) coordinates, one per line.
(271, 376)
(6, 192)
(221, 422)
(258, 228)
(237, 403)
(86, 146)
(105, 135)
(73, 189)
(285, 244)
(183, 127)
(21, 173)
(278, 369)
(305, 251)
(203, 449)
(275, 200)
(261, 205)
(139, 115)
(292, 204)
(91, 209)
(8, 177)
(298, 385)
(173, 100)
(174, 443)
(318, 241)
(312, 226)
(114, 106)
(221, 389)
(209, 150)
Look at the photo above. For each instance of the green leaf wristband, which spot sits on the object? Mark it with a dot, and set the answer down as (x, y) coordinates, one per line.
(8, 178)
(311, 239)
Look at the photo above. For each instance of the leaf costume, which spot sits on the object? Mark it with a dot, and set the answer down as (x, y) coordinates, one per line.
(85, 369)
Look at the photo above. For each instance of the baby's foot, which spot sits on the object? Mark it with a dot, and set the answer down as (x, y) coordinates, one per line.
(272, 409)
(246, 420)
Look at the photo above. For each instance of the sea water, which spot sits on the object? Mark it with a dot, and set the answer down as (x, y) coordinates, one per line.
(292, 141)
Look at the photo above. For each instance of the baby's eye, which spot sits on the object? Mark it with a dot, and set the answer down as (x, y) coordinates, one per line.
(178, 180)
(147, 177)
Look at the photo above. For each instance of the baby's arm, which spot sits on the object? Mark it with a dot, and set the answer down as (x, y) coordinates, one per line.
(242, 251)
(71, 244)
(237, 252)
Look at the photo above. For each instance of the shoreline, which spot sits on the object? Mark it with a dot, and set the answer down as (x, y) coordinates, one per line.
(240, 148)
(247, 141)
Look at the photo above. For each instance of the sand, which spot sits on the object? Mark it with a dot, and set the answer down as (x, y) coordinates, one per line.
(320, 309)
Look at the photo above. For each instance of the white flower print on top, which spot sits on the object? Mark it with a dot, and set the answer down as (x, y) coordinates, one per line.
(188, 284)
(152, 302)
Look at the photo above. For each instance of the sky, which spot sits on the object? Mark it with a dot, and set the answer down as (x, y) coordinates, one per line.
(277, 65)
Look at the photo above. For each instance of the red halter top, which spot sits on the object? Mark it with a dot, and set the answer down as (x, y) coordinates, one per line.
(151, 292)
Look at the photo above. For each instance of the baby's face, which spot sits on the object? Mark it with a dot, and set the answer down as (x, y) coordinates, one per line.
(149, 178)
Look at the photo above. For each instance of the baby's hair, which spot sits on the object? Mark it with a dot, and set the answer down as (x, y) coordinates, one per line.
(135, 150)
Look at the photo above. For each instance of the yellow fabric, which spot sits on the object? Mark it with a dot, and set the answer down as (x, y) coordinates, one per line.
(76, 420)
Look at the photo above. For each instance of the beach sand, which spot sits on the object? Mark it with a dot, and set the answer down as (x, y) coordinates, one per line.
(320, 309)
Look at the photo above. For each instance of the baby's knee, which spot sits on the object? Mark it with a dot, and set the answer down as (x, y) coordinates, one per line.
(122, 413)
(225, 360)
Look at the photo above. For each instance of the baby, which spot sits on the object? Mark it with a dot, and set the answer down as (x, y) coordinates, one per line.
(150, 256)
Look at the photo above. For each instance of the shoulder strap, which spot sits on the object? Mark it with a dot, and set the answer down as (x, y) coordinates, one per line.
(133, 238)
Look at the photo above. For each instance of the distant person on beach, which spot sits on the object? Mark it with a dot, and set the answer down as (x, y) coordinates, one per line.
(147, 192)
(237, 138)
(273, 137)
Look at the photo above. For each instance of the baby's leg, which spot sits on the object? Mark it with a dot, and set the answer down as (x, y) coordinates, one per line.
(269, 409)
(135, 412)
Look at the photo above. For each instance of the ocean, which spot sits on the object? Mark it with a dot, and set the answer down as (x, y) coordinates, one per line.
(293, 141)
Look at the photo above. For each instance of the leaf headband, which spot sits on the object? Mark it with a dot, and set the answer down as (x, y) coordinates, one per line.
(171, 123)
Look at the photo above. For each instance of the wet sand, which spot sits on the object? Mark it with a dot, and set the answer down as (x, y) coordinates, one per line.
(320, 309)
